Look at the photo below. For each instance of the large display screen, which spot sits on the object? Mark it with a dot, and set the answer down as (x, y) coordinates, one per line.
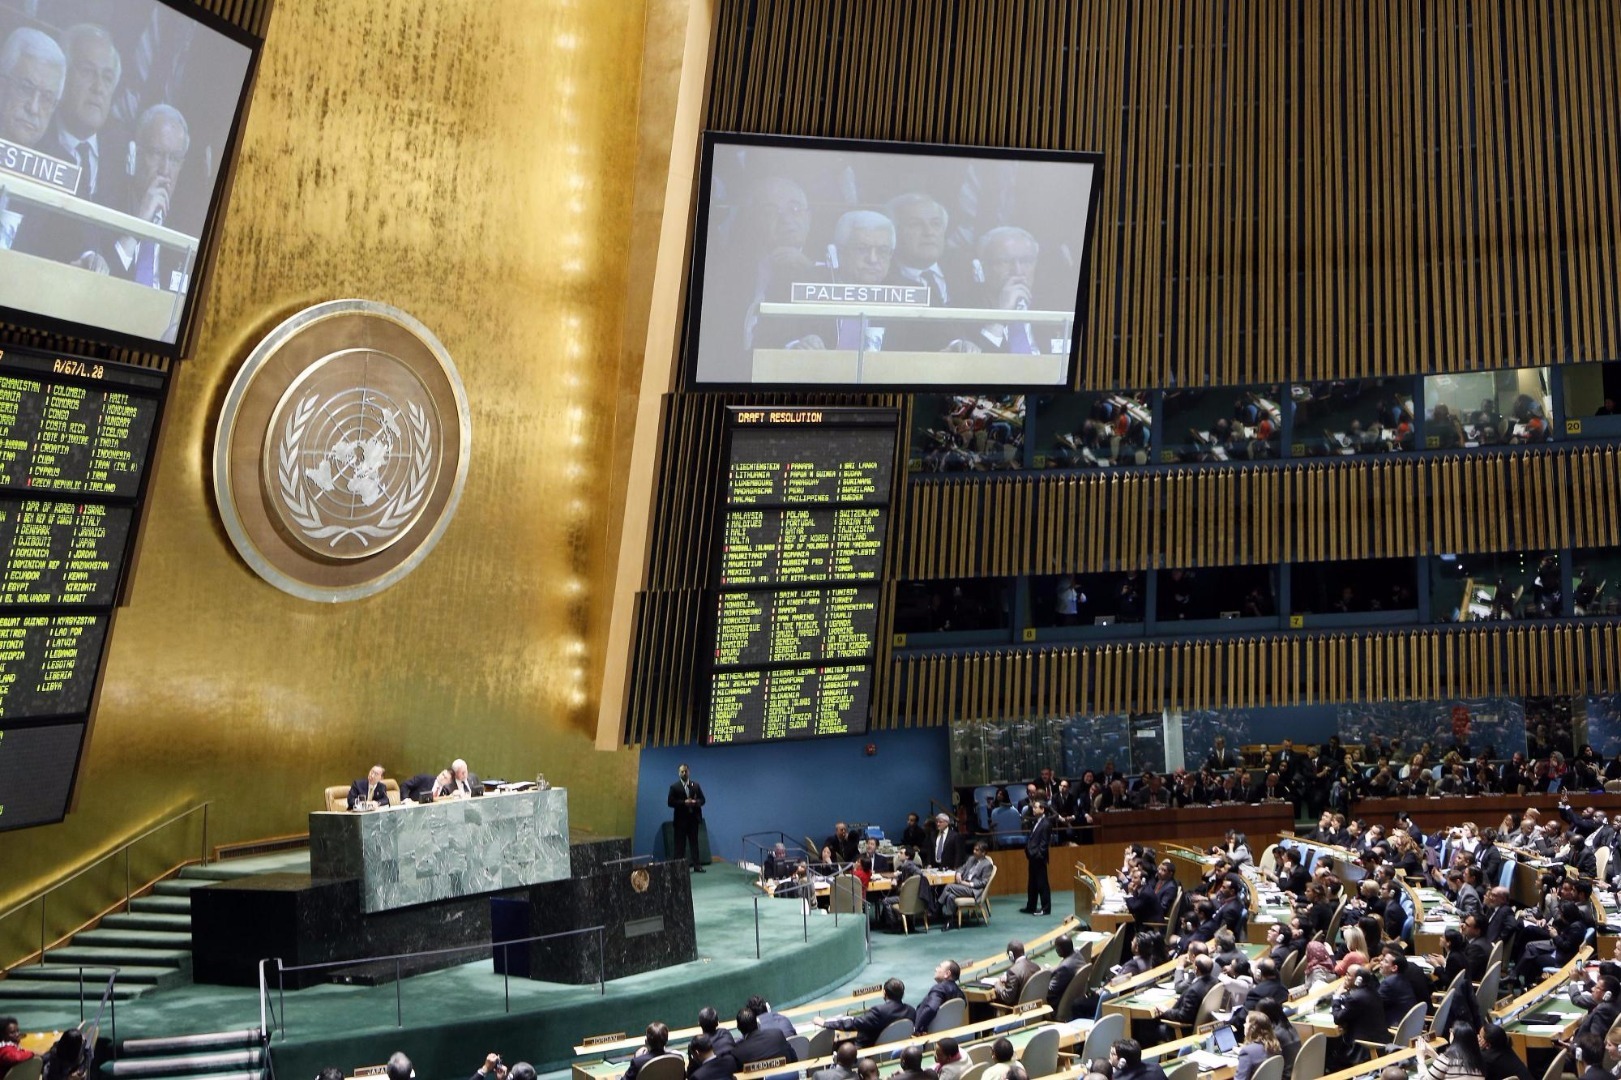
(118, 119)
(37, 765)
(76, 438)
(794, 627)
(889, 265)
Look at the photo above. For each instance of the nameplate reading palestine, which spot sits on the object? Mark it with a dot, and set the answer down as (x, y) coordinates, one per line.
(811, 292)
(21, 161)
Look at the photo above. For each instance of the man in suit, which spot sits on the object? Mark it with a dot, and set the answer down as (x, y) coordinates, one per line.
(758, 1043)
(705, 1064)
(1221, 759)
(1603, 1012)
(1126, 1062)
(1166, 889)
(1068, 964)
(1267, 986)
(870, 1024)
(464, 783)
(33, 72)
(769, 1018)
(1395, 992)
(1360, 1015)
(845, 844)
(162, 141)
(720, 1040)
(1272, 789)
(368, 791)
(1186, 1007)
(1500, 920)
(1007, 988)
(653, 1048)
(946, 851)
(845, 1057)
(971, 877)
(912, 1065)
(1286, 761)
(686, 798)
(1039, 895)
(1477, 951)
(945, 988)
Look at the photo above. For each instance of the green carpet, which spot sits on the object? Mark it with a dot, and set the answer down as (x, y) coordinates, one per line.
(448, 1020)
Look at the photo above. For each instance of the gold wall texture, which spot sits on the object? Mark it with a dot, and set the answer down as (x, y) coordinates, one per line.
(491, 168)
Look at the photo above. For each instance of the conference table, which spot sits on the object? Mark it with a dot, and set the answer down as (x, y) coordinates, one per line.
(878, 883)
(1543, 1014)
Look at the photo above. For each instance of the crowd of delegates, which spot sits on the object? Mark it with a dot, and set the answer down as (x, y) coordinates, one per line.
(1526, 422)
(1370, 951)
(1312, 779)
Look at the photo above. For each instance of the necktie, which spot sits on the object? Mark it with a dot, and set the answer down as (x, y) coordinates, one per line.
(938, 284)
(1019, 340)
(940, 848)
(82, 154)
(146, 273)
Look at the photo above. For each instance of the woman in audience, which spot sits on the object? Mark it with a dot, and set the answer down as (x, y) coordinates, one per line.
(1260, 1043)
(1408, 859)
(1147, 952)
(1460, 1058)
(1238, 980)
(68, 1058)
(1356, 950)
(1319, 912)
(1451, 960)
(1282, 1030)
(1319, 964)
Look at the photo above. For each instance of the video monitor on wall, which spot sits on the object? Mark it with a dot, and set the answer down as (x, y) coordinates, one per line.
(118, 119)
(832, 262)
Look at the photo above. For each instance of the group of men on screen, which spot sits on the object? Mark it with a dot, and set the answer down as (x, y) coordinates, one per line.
(57, 98)
(904, 242)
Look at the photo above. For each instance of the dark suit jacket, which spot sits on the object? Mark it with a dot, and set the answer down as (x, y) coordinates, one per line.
(677, 801)
(718, 1067)
(1063, 975)
(722, 1042)
(1013, 979)
(1500, 924)
(1360, 1015)
(938, 995)
(1187, 1006)
(1476, 954)
(953, 856)
(642, 1057)
(475, 786)
(358, 794)
(764, 1043)
(1035, 845)
(1397, 995)
(1598, 1021)
(1270, 990)
(871, 1023)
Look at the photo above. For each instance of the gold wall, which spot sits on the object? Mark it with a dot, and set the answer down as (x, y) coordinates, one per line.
(491, 168)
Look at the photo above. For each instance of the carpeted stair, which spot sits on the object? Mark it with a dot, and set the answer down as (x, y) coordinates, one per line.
(150, 945)
(221, 1055)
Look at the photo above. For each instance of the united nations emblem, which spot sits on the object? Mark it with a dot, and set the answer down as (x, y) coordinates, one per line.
(640, 879)
(342, 450)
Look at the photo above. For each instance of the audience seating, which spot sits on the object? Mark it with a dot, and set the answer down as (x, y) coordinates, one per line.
(1312, 1058)
(909, 903)
(1270, 1069)
(664, 1068)
(979, 903)
(895, 1031)
(1040, 1055)
(951, 1014)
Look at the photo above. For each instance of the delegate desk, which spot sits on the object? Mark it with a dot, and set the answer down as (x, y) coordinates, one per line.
(415, 854)
(1441, 811)
(1193, 822)
(1145, 996)
(1542, 1014)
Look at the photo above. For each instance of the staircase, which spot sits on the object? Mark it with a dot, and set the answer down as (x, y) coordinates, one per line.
(221, 1055)
(150, 945)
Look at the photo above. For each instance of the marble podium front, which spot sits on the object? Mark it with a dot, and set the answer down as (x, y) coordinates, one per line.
(414, 854)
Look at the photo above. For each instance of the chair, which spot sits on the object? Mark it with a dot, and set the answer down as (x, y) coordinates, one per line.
(1601, 858)
(1409, 1028)
(979, 1053)
(1556, 1067)
(1441, 1019)
(1289, 974)
(1486, 992)
(1185, 1069)
(980, 902)
(800, 1043)
(1267, 864)
(1034, 989)
(1270, 1069)
(31, 1068)
(821, 1043)
(1076, 988)
(669, 1067)
(1007, 828)
(909, 903)
(1040, 1055)
(846, 896)
(1311, 1059)
(951, 1015)
(1612, 786)
(975, 1071)
(1109, 958)
(1085, 900)
(1110, 1029)
(894, 1031)
(813, 851)
(1213, 1000)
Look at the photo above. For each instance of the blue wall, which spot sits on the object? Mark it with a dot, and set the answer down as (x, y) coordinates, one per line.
(797, 787)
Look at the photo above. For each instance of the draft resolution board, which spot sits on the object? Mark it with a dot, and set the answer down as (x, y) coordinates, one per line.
(793, 625)
(76, 439)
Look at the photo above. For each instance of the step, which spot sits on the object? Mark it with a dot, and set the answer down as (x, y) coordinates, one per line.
(118, 955)
(14, 989)
(188, 1064)
(139, 939)
(180, 886)
(133, 973)
(163, 904)
(242, 1074)
(213, 872)
(248, 1037)
(169, 922)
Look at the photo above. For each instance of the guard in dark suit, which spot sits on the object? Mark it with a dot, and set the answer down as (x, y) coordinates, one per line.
(945, 850)
(756, 1043)
(369, 790)
(687, 800)
(870, 1024)
(1039, 895)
